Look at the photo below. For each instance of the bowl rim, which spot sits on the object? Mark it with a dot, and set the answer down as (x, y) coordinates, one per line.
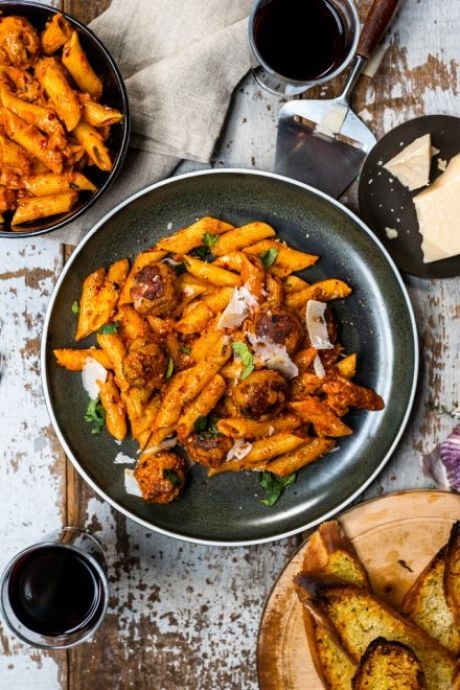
(301, 186)
(126, 124)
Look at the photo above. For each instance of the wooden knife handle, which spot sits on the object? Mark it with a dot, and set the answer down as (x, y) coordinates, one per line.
(377, 22)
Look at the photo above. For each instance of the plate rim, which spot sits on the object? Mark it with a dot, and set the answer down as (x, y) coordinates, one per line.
(67, 267)
(419, 493)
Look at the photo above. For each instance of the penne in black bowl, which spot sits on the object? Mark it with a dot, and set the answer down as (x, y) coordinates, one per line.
(64, 119)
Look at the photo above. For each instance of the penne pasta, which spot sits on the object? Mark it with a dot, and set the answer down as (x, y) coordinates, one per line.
(115, 349)
(292, 462)
(76, 62)
(74, 360)
(33, 208)
(210, 273)
(323, 291)
(31, 139)
(192, 236)
(64, 99)
(93, 143)
(40, 116)
(99, 115)
(57, 32)
(115, 417)
(55, 183)
(287, 260)
(324, 420)
(201, 406)
(262, 451)
(241, 427)
(242, 237)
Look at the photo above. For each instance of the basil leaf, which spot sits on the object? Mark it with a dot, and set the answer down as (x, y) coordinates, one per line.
(108, 328)
(268, 258)
(200, 425)
(172, 477)
(209, 240)
(274, 486)
(95, 414)
(170, 369)
(246, 356)
(75, 308)
(185, 349)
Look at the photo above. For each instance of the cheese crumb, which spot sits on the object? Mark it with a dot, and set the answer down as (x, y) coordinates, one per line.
(391, 233)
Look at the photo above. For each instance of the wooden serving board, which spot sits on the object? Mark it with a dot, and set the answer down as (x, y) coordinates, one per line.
(395, 537)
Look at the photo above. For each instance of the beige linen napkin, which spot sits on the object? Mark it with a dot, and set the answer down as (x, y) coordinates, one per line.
(181, 60)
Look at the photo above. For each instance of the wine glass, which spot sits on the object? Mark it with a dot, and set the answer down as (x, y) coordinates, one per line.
(54, 594)
(298, 44)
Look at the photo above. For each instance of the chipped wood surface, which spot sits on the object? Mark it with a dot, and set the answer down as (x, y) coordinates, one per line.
(181, 615)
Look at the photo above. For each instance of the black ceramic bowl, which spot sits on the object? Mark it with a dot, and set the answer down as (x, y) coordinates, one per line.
(114, 95)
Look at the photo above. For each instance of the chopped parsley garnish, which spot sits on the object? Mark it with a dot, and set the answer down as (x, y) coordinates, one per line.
(209, 240)
(206, 427)
(268, 258)
(75, 308)
(185, 349)
(108, 328)
(170, 369)
(95, 414)
(203, 252)
(274, 486)
(171, 477)
(245, 354)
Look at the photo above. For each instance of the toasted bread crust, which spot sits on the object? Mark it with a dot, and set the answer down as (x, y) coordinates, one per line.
(426, 604)
(331, 552)
(359, 617)
(452, 572)
(389, 665)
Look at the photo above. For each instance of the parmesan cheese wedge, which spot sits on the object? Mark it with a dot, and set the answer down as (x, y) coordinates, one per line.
(411, 166)
(438, 214)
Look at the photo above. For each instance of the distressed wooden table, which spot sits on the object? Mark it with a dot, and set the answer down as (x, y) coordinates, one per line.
(181, 615)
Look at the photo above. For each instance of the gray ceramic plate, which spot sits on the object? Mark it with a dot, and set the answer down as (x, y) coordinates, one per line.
(377, 321)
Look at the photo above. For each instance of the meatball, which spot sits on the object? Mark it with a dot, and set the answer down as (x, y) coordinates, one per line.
(155, 290)
(263, 393)
(145, 364)
(208, 450)
(160, 477)
(280, 325)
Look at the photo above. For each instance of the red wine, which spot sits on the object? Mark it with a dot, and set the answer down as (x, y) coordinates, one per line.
(302, 40)
(53, 590)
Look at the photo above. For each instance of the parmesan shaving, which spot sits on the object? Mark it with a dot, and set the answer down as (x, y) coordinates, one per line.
(239, 450)
(91, 373)
(131, 485)
(122, 459)
(317, 326)
(320, 371)
(332, 121)
(242, 300)
(163, 445)
(273, 356)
